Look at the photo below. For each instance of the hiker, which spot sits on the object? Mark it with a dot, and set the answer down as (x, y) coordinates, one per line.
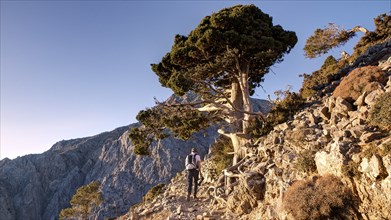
(193, 167)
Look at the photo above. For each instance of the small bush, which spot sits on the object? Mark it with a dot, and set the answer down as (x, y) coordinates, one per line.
(382, 149)
(381, 33)
(351, 170)
(83, 202)
(219, 154)
(306, 162)
(380, 114)
(331, 70)
(360, 80)
(320, 198)
(282, 111)
(319, 79)
(153, 192)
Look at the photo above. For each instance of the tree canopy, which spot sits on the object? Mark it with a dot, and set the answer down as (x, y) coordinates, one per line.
(236, 39)
(83, 202)
(222, 61)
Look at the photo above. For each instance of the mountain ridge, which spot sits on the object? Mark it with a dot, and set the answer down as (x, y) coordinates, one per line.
(39, 186)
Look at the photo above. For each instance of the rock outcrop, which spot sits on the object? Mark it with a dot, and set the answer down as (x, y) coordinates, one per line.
(331, 136)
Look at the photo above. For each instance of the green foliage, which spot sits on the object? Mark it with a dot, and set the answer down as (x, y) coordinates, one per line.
(233, 44)
(282, 111)
(380, 114)
(67, 213)
(140, 142)
(84, 201)
(318, 44)
(324, 197)
(381, 33)
(153, 192)
(241, 37)
(306, 162)
(219, 154)
(329, 71)
(325, 39)
(182, 121)
(330, 60)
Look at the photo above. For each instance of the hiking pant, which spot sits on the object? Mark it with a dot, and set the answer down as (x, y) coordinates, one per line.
(192, 175)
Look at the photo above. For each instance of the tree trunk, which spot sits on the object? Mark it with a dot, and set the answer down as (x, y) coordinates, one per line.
(236, 120)
(247, 106)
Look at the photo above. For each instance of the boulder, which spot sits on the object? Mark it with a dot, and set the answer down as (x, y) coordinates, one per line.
(325, 113)
(367, 137)
(371, 98)
(332, 162)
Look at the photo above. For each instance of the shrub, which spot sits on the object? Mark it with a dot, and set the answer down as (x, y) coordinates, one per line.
(331, 70)
(324, 76)
(83, 202)
(320, 198)
(381, 149)
(219, 155)
(282, 111)
(153, 192)
(351, 170)
(360, 80)
(306, 162)
(381, 33)
(380, 114)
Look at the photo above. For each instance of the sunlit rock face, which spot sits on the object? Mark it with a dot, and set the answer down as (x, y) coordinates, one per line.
(39, 186)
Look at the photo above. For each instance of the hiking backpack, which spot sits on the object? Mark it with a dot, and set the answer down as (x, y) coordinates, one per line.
(191, 162)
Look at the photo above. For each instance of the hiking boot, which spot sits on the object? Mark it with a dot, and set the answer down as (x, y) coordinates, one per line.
(195, 197)
(188, 197)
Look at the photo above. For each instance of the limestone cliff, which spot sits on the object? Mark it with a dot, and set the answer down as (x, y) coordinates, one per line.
(40, 186)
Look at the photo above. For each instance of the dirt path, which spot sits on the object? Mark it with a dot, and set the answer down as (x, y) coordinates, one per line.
(172, 204)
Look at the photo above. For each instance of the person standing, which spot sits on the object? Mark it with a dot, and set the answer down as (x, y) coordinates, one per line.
(193, 167)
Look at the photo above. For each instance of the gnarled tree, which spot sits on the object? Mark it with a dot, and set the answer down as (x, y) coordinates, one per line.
(222, 61)
(330, 37)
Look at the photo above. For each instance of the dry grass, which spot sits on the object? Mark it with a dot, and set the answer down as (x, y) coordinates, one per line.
(322, 197)
(380, 114)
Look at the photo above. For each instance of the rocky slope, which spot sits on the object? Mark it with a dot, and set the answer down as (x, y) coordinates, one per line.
(329, 137)
(40, 186)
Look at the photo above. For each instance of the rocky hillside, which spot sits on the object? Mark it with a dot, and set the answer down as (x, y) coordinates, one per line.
(328, 162)
(40, 186)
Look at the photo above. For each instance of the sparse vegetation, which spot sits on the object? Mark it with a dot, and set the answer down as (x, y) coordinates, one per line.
(351, 170)
(381, 149)
(282, 111)
(325, 39)
(324, 76)
(83, 202)
(330, 70)
(320, 197)
(381, 33)
(364, 79)
(306, 162)
(153, 192)
(380, 114)
(219, 154)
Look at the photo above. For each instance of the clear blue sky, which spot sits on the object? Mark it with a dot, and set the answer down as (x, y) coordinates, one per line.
(73, 69)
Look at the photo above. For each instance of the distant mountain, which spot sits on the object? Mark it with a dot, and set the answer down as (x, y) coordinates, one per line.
(39, 186)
